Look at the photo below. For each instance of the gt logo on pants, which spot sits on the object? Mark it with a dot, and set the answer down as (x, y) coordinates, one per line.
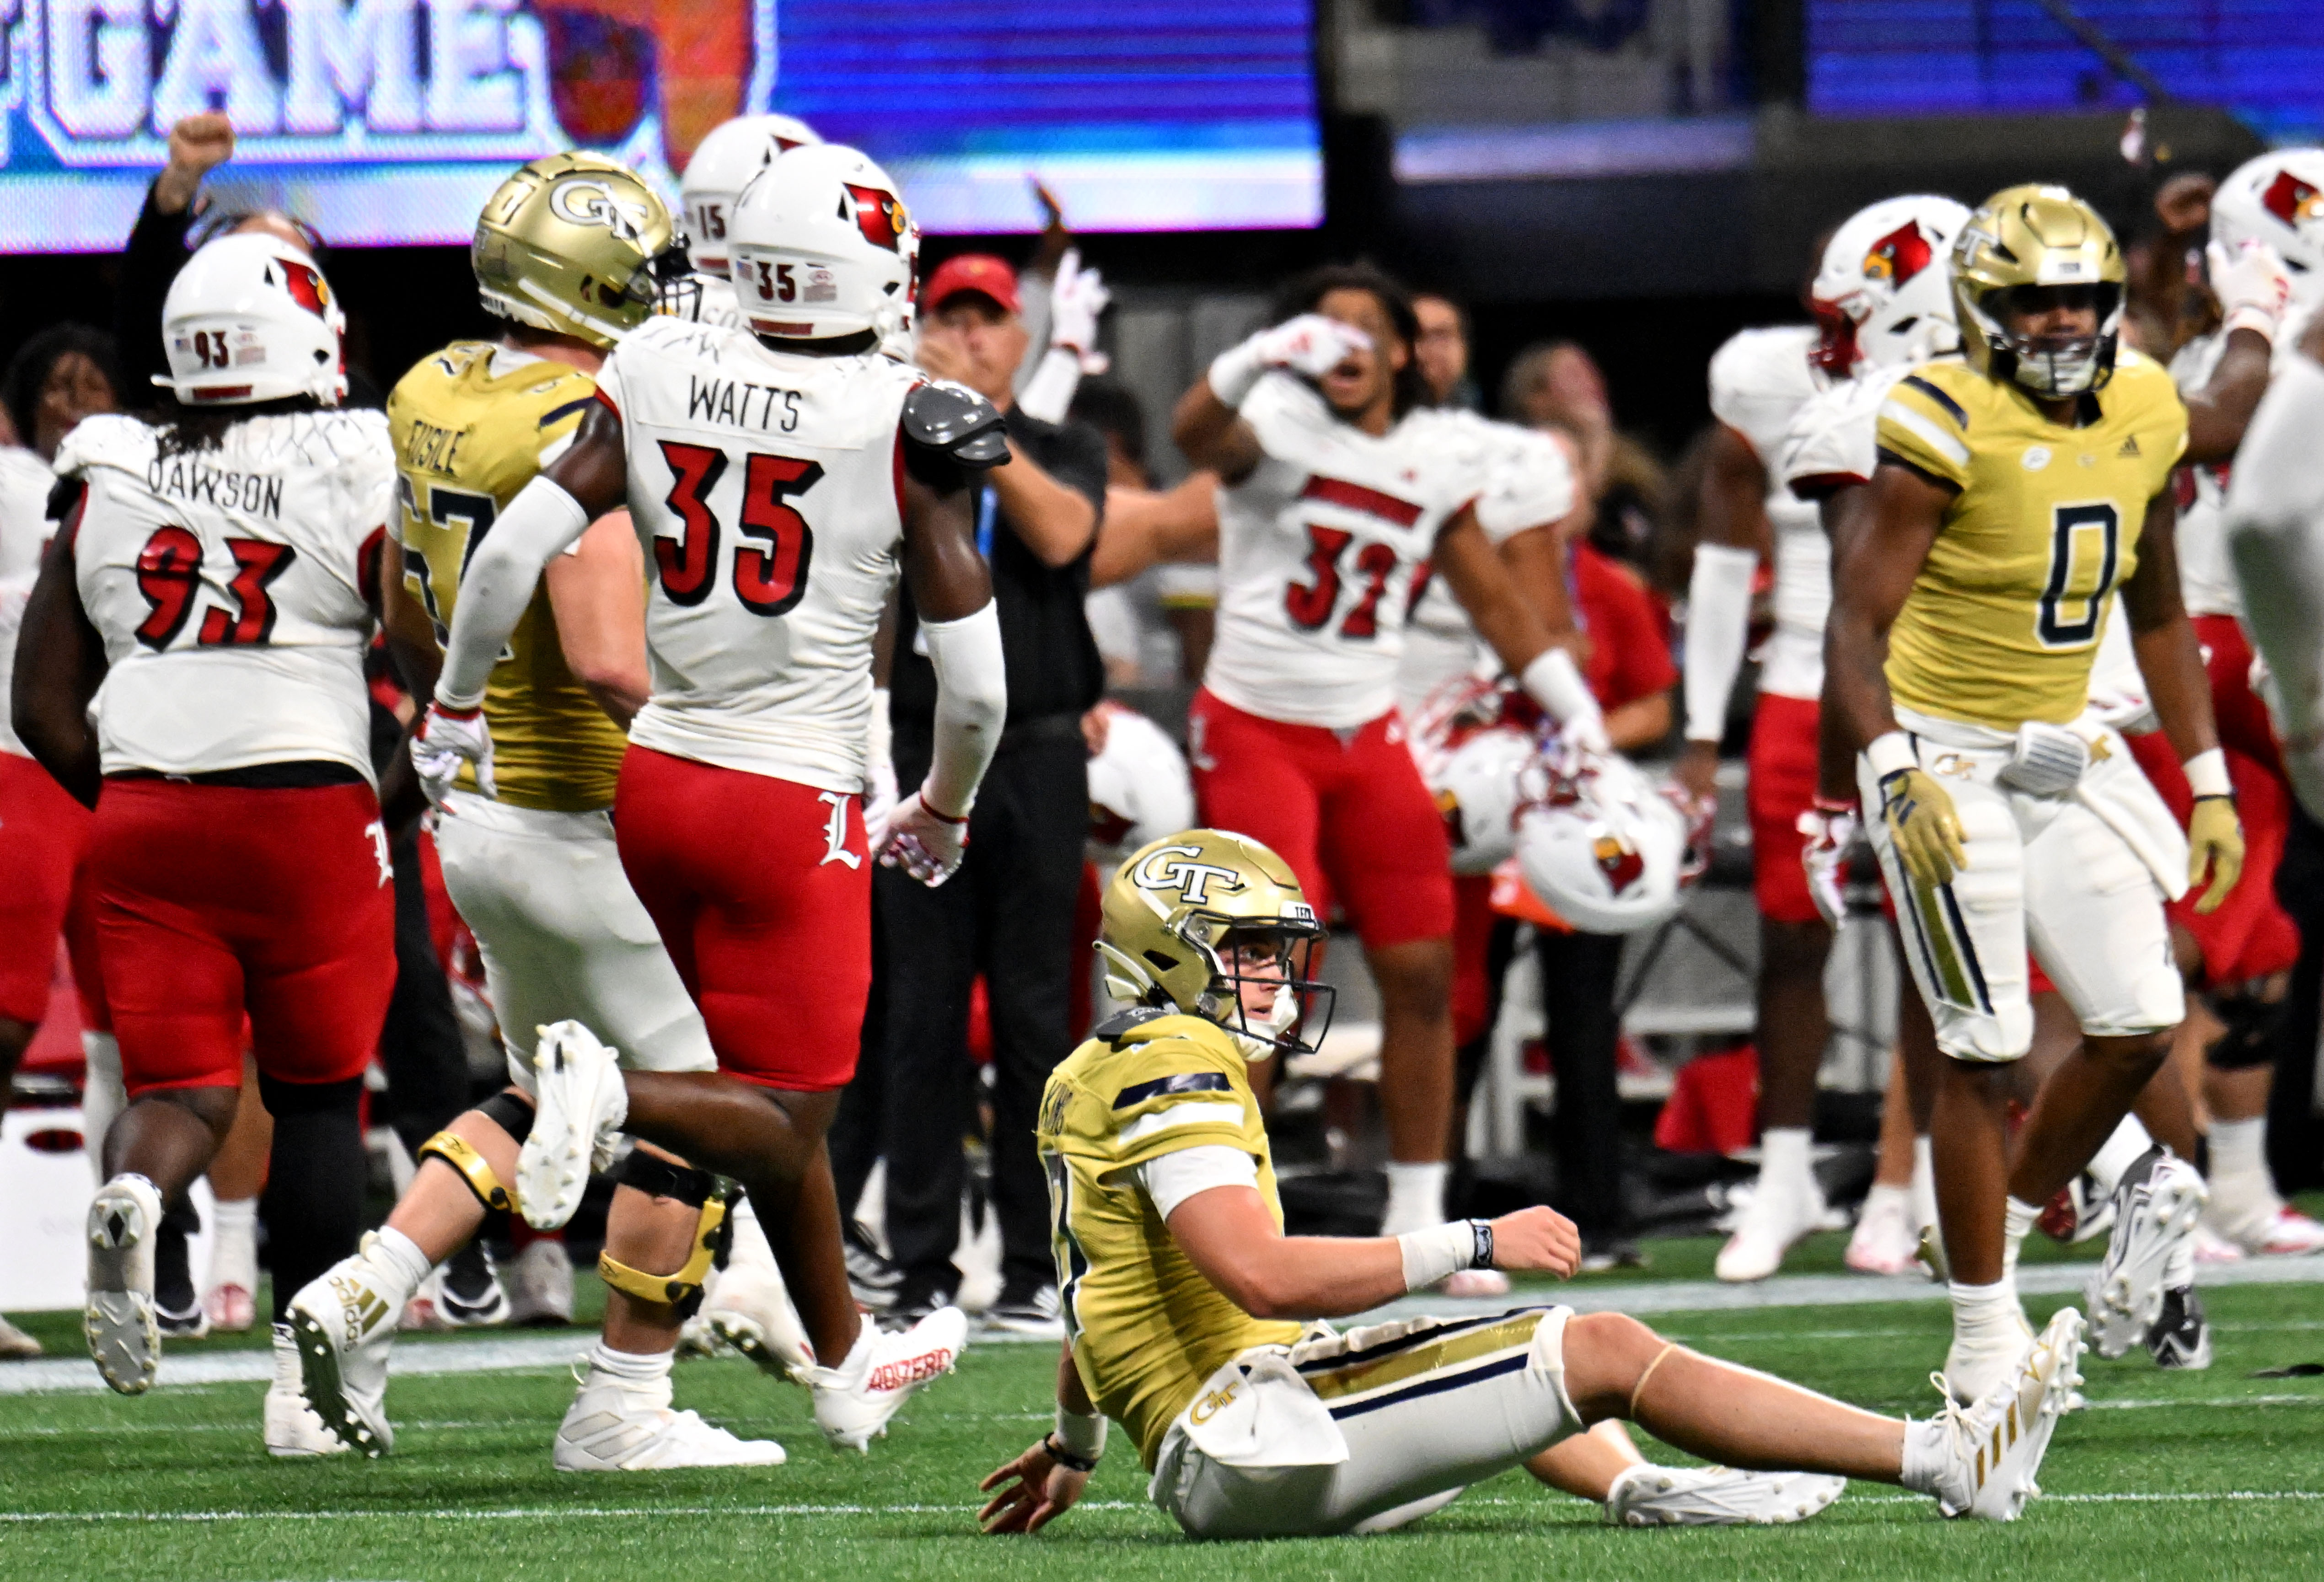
(1213, 1403)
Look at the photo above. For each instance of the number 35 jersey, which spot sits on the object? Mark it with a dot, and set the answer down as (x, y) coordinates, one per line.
(1321, 552)
(230, 587)
(472, 425)
(2005, 617)
(767, 488)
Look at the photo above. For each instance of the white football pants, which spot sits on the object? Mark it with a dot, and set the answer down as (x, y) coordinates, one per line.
(2276, 537)
(564, 936)
(1426, 1407)
(2077, 878)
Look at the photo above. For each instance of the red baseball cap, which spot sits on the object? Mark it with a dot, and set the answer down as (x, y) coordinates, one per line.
(972, 272)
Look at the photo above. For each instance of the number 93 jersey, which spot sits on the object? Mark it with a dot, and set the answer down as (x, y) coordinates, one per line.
(230, 586)
(1321, 551)
(472, 426)
(767, 490)
(2005, 617)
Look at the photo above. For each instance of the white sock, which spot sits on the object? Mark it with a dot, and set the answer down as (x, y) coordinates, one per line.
(102, 1096)
(234, 1244)
(1784, 1157)
(750, 1239)
(2239, 1151)
(2118, 1153)
(1924, 1184)
(1924, 1454)
(638, 1367)
(398, 1257)
(1980, 1308)
(2016, 1219)
(1416, 1196)
(1887, 1197)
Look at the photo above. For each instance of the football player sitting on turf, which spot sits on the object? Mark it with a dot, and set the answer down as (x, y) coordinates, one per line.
(1187, 1311)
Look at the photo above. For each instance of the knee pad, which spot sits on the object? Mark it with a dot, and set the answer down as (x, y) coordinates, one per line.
(697, 1188)
(473, 1168)
(2252, 1025)
(282, 1098)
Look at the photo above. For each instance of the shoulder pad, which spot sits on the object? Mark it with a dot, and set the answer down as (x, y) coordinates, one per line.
(956, 423)
(1122, 1022)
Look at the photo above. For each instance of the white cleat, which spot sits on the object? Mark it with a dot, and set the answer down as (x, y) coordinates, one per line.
(292, 1426)
(1978, 1364)
(1777, 1215)
(1994, 1449)
(2253, 1219)
(580, 1104)
(855, 1401)
(1886, 1241)
(118, 1319)
(750, 1310)
(343, 1327)
(1717, 1496)
(540, 1286)
(626, 1425)
(231, 1307)
(2157, 1204)
(14, 1343)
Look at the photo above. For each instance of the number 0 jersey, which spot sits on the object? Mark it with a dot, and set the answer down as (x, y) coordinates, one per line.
(1147, 1328)
(229, 587)
(1321, 550)
(767, 487)
(472, 426)
(2005, 619)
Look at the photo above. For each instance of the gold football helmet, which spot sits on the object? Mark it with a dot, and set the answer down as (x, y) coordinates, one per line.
(2037, 238)
(1175, 907)
(576, 244)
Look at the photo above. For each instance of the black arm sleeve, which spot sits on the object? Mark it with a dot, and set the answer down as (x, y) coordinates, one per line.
(156, 251)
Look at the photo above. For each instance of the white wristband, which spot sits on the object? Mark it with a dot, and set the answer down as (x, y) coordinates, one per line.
(1082, 1434)
(2252, 318)
(1554, 682)
(2206, 774)
(1235, 372)
(1430, 1254)
(1890, 752)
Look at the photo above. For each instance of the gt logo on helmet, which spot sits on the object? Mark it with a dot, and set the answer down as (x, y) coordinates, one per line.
(880, 216)
(593, 202)
(1898, 256)
(2291, 200)
(1166, 871)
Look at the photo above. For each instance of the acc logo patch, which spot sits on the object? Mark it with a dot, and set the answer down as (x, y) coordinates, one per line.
(880, 216)
(2036, 457)
(1167, 870)
(583, 202)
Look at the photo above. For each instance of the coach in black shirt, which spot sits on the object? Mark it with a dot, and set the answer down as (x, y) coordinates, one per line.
(1009, 912)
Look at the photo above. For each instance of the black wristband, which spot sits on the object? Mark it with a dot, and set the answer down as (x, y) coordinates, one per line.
(1482, 1257)
(1065, 1458)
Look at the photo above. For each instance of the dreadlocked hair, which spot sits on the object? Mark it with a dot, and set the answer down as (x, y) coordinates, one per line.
(1305, 291)
(184, 428)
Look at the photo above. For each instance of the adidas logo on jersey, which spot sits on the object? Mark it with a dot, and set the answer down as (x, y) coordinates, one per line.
(2129, 448)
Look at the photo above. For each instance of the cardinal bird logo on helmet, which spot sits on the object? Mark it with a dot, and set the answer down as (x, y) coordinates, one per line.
(1619, 861)
(880, 216)
(307, 286)
(2291, 200)
(1898, 256)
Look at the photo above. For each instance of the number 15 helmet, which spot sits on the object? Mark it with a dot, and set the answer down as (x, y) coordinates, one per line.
(250, 318)
(823, 247)
(735, 152)
(575, 245)
(1189, 916)
(2029, 238)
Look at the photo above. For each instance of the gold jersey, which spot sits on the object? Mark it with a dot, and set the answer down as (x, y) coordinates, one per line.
(1147, 1328)
(466, 439)
(2005, 617)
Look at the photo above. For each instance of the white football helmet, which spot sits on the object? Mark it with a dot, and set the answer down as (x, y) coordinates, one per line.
(822, 246)
(1139, 788)
(721, 166)
(251, 318)
(2278, 198)
(1479, 792)
(1603, 848)
(1883, 296)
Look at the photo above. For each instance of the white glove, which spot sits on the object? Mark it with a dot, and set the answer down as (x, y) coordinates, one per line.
(447, 739)
(880, 801)
(1310, 345)
(1076, 300)
(2252, 285)
(1832, 830)
(921, 842)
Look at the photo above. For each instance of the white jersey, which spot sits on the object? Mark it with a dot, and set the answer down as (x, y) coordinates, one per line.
(1321, 550)
(765, 487)
(1523, 480)
(1759, 380)
(2206, 578)
(229, 587)
(24, 527)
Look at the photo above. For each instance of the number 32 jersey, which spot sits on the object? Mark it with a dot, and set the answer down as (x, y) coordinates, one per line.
(230, 587)
(1321, 552)
(767, 488)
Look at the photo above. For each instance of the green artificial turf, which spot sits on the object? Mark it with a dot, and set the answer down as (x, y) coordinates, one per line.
(2168, 1476)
